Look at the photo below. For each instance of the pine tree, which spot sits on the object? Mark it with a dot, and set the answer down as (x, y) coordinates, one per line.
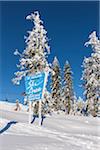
(91, 76)
(68, 89)
(34, 58)
(56, 85)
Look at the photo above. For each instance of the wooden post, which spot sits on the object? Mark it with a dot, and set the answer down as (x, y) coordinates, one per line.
(30, 112)
(40, 116)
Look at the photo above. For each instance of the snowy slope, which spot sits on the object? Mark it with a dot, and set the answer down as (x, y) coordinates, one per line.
(59, 132)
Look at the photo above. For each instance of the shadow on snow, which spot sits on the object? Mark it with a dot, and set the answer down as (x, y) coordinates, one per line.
(7, 126)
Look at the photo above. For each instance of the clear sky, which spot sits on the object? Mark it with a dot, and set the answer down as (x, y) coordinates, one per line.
(68, 25)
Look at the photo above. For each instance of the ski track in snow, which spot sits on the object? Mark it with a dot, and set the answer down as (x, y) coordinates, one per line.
(59, 132)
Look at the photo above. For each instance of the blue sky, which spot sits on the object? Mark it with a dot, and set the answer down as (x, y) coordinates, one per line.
(68, 25)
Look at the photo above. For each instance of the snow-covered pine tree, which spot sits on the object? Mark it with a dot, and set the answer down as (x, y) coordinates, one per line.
(68, 89)
(91, 76)
(56, 85)
(34, 58)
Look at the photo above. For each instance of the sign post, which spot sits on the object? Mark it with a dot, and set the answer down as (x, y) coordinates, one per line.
(30, 112)
(40, 115)
(35, 88)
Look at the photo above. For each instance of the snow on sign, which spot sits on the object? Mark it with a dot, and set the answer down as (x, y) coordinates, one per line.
(34, 86)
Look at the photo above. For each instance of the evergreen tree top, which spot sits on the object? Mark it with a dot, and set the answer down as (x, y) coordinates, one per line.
(94, 42)
(55, 61)
(67, 68)
(37, 39)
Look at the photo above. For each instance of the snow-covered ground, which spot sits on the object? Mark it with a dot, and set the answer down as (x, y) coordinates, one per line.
(59, 132)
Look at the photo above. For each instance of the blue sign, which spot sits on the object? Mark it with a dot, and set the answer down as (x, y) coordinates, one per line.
(34, 86)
